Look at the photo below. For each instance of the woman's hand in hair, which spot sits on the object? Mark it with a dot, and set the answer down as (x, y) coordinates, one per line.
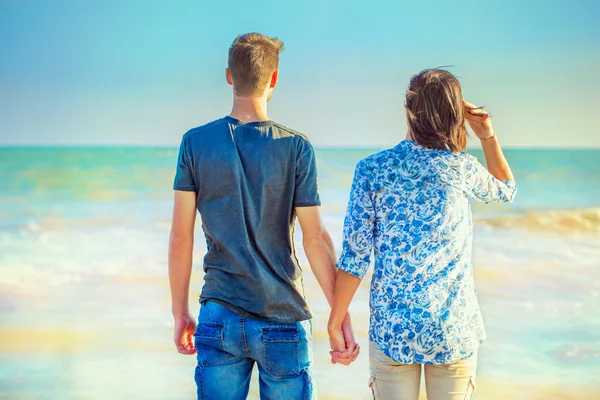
(479, 121)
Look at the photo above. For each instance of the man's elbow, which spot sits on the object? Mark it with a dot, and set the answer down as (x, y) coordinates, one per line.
(181, 240)
(320, 236)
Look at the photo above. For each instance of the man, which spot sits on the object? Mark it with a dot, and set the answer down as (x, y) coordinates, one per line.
(249, 178)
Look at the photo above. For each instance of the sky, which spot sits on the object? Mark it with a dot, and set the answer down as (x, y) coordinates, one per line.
(144, 72)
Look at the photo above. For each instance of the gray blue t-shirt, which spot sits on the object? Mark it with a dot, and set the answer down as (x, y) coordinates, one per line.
(248, 178)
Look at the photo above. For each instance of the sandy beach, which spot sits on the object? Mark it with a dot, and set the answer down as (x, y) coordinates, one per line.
(56, 354)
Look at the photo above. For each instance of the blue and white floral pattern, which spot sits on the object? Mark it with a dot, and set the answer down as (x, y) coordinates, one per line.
(410, 206)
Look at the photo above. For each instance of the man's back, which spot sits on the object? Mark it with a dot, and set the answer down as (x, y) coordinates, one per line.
(248, 178)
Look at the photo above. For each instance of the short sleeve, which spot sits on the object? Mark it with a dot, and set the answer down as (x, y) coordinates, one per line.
(357, 246)
(306, 193)
(184, 175)
(484, 187)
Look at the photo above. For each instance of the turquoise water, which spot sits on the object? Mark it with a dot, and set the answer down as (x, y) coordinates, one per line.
(85, 304)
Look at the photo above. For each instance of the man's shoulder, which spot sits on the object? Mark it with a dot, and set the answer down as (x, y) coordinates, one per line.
(199, 130)
(286, 131)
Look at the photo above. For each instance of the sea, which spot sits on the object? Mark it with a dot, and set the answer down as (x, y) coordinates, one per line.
(84, 296)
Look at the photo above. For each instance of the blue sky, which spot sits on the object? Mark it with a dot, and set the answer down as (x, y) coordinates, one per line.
(143, 72)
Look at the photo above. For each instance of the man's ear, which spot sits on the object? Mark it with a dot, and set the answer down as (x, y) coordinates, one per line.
(228, 76)
(274, 78)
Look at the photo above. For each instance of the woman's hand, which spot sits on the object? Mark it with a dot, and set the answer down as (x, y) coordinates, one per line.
(344, 349)
(479, 121)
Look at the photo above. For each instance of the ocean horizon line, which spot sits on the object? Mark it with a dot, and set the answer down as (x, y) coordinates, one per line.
(69, 146)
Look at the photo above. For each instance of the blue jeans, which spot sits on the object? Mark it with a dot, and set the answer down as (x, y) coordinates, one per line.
(228, 345)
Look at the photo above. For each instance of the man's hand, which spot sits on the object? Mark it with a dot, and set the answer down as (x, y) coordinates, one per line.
(344, 349)
(185, 327)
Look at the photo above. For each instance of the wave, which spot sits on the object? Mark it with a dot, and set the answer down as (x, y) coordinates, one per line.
(575, 220)
(65, 223)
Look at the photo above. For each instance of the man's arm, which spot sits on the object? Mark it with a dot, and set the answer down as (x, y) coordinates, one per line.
(319, 248)
(181, 245)
(320, 252)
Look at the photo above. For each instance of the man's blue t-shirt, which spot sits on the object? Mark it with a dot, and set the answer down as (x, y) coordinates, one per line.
(248, 178)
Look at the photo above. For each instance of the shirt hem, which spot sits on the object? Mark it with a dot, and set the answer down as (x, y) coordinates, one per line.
(185, 188)
(240, 311)
(307, 204)
(351, 272)
(352, 265)
(448, 361)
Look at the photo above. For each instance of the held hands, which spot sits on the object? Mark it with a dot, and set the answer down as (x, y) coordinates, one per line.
(479, 121)
(343, 345)
(185, 327)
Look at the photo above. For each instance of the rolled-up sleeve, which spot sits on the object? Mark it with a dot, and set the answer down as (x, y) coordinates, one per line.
(357, 246)
(184, 175)
(484, 187)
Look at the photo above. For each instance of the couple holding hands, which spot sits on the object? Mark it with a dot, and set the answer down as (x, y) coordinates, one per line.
(251, 178)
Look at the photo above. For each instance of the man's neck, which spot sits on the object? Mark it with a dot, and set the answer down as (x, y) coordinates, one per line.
(249, 109)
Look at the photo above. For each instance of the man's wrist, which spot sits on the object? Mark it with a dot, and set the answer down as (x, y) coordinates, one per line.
(180, 314)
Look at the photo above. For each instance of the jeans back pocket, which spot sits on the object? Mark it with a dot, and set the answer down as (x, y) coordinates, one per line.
(281, 351)
(209, 343)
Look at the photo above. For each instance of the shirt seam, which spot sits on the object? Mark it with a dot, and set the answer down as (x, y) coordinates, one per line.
(307, 203)
(185, 188)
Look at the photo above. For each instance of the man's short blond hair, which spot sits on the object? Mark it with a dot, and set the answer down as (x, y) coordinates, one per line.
(253, 58)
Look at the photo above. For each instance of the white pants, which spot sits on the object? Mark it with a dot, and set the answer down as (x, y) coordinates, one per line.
(392, 380)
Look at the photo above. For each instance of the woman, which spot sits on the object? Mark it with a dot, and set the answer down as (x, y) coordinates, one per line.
(410, 206)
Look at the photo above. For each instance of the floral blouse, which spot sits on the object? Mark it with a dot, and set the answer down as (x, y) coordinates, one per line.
(410, 206)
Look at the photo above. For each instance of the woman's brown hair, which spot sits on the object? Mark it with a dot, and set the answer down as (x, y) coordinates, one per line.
(435, 111)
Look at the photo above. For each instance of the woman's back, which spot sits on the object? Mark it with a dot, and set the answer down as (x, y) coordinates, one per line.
(423, 297)
(409, 206)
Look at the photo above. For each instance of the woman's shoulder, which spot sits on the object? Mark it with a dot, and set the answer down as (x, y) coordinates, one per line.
(409, 155)
(381, 156)
(377, 161)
